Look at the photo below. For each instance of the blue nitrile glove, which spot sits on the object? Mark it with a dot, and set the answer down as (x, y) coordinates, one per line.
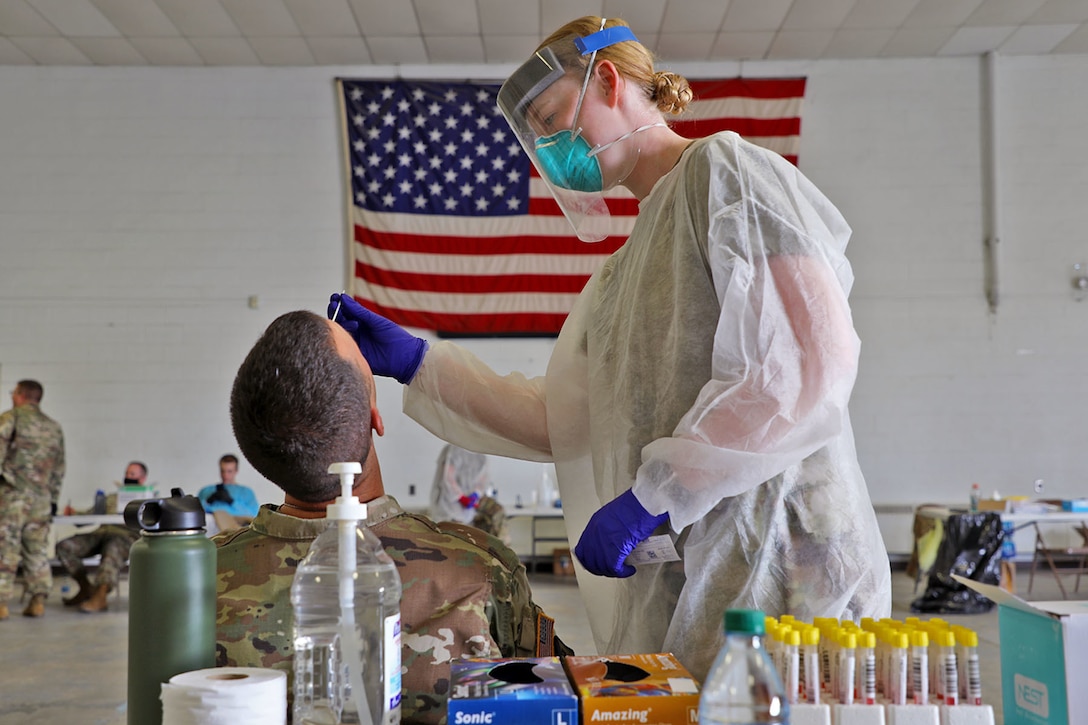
(389, 348)
(617, 528)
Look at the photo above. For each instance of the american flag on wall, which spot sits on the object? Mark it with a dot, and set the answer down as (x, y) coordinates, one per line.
(450, 228)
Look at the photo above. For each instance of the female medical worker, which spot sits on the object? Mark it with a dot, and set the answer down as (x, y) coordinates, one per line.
(699, 387)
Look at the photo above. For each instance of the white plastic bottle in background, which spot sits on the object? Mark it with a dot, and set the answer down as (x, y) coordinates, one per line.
(743, 686)
(346, 601)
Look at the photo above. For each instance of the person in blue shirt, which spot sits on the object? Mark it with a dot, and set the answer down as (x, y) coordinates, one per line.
(235, 499)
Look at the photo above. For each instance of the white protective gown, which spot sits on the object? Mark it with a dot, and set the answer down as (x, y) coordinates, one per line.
(708, 364)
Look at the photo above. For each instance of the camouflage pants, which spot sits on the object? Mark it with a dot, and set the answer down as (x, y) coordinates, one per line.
(113, 548)
(24, 538)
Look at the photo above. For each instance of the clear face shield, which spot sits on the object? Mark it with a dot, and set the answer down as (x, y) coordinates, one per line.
(567, 163)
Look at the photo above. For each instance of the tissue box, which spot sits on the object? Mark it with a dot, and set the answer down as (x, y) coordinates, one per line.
(527, 691)
(1044, 655)
(127, 494)
(649, 689)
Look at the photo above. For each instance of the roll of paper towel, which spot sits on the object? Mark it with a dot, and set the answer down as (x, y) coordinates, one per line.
(222, 695)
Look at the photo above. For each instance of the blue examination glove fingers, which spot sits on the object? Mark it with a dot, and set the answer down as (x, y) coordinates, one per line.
(389, 348)
(613, 532)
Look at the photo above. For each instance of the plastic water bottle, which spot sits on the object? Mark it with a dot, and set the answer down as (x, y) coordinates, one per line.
(743, 686)
(346, 601)
(976, 495)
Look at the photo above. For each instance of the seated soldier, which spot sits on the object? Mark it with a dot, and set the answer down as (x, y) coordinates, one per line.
(465, 592)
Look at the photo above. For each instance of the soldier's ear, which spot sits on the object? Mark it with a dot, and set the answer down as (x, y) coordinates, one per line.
(376, 422)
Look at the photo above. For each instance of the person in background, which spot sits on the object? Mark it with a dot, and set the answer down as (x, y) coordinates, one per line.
(461, 479)
(232, 498)
(699, 386)
(465, 593)
(30, 480)
(111, 543)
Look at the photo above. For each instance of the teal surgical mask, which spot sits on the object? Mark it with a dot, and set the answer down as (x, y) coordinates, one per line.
(571, 163)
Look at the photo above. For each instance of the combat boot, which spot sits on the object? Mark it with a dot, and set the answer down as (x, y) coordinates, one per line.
(36, 608)
(3, 611)
(98, 601)
(84, 593)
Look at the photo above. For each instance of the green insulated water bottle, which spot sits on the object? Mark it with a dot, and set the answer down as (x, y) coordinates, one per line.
(171, 620)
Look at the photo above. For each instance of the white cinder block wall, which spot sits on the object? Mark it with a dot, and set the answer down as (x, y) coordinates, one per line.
(141, 208)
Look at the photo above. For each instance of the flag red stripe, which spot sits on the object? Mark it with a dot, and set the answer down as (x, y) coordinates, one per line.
(472, 285)
(749, 88)
(492, 324)
(617, 206)
(747, 127)
(526, 244)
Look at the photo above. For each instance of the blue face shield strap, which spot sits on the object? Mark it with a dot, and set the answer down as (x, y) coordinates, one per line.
(589, 45)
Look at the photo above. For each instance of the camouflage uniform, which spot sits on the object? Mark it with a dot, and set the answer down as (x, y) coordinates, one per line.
(32, 470)
(112, 542)
(464, 594)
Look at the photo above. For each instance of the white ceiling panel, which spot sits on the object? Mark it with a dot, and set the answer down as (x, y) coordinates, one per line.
(452, 32)
(878, 13)
(755, 15)
(11, 55)
(745, 46)
(1036, 39)
(339, 51)
(1061, 11)
(455, 48)
(109, 51)
(941, 13)
(800, 43)
(18, 18)
(816, 14)
(167, 51)
(858, 43)
(644, 16)
(282, 51)
(917, 42)
(517, 17)
(328, 18)
(1004, 12)
(692, 16)
(686, 46)
(509, 48)
(393, 51)
(75, 17)
(136, 17)
(448, 17)
(262, 18)
(975, 41)
(225, 51)
(199, 18)
(52, 51)
(554, 14)
(1077, 42)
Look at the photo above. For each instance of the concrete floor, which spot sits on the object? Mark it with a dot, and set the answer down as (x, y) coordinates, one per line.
(69, 667)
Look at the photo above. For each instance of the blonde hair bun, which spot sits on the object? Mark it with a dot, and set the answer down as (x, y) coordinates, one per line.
(671, 92)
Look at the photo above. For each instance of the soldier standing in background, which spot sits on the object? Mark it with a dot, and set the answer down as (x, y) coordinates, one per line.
(30, 479)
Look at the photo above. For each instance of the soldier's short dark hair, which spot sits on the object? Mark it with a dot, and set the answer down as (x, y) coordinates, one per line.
(229, 458)
(30, 389)
(297, 407)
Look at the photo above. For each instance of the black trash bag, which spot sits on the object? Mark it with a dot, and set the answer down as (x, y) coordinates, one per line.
(971, 548)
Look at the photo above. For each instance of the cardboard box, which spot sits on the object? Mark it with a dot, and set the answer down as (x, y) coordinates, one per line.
(1044, 658)
(562, 563)
(125, 494)
(1000, 505)
(648, 689)
(527, 691)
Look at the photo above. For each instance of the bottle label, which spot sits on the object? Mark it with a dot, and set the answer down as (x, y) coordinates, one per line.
(391, 632)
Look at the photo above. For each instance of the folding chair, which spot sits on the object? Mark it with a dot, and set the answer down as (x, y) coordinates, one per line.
(1063, 561)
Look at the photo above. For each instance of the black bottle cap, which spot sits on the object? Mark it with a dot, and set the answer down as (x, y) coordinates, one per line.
(176, 513)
